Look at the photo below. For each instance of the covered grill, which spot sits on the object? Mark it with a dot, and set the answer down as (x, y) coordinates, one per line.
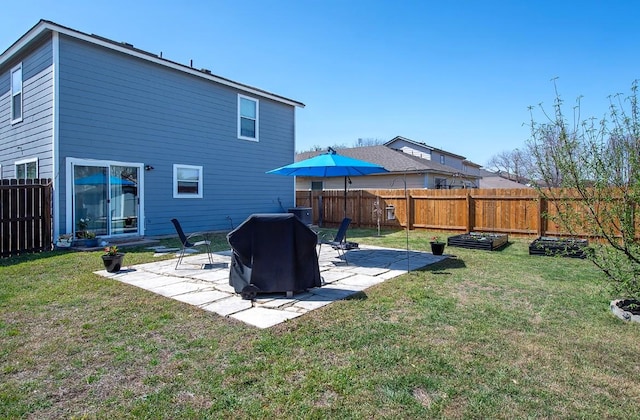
(273, 253)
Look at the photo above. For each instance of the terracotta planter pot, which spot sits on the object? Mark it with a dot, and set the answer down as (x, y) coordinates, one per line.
(437, 248)
(113, 263)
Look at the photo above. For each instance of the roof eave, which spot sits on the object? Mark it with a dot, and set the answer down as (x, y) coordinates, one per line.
(44, 26)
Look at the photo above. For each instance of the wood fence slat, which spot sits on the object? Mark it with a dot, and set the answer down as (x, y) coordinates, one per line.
(25, 216)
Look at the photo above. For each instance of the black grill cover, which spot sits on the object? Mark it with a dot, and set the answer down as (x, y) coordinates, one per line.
(275, 253)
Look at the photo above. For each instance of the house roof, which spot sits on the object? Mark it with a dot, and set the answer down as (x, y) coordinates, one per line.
(391, 159)
(494, 180)
(422, 146)
(45, 26)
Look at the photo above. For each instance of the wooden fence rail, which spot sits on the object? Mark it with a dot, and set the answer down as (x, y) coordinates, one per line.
(512, 211)
(25, 216)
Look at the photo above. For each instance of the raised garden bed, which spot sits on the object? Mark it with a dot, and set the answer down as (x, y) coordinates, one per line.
(565, 247)
(477, 240)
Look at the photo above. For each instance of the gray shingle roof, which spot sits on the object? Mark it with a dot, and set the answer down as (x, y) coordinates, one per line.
(392, 160)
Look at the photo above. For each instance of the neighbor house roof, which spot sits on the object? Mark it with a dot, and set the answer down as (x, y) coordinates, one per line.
(44, 26)
(392, 160)
(423, 146)
(494, 180)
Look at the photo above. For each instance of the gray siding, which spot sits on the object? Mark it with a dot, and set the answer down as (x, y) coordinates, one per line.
(426, 153)
(117, 107)
(31, 138)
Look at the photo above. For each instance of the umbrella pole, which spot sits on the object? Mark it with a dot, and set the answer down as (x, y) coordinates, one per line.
(345, 203)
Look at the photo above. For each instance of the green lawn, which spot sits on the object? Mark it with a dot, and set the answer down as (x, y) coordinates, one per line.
(483, 335)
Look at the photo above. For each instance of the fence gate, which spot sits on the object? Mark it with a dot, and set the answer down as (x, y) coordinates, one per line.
(25, 216)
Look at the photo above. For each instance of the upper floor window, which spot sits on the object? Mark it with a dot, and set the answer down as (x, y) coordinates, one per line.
(16, 94)
(187, 181)
(442, 159)
(27, 169)
(247, 118)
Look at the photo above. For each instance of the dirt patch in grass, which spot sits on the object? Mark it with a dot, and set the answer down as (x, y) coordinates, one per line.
(427, 399)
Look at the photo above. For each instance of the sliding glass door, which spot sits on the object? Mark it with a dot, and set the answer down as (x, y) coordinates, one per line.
(105, 199)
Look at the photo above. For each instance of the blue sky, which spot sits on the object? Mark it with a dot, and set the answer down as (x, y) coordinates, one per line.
(457, 75)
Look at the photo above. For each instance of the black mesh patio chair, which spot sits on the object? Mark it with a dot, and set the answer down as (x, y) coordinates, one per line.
(339, 242)
(186, 242)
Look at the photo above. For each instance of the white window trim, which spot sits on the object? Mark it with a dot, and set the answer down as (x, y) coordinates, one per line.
(240, 136)
(11, 95)
(442, 160)
(176, 166)
(22, 162)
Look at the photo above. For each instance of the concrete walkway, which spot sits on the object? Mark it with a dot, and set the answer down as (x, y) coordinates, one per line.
(198, 283)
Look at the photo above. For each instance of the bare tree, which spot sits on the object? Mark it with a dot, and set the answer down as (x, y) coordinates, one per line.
(369, 141)
(515, 165)
(318, 148)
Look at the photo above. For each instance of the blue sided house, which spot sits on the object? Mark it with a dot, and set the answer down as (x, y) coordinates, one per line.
(132, 140)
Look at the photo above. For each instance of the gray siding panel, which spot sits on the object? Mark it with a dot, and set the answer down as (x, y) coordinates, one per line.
(116, 107)
(33, 136)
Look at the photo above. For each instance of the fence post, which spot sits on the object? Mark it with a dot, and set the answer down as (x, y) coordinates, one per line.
(47, 203)
(410, 210)
(470, 212)
(542, 219)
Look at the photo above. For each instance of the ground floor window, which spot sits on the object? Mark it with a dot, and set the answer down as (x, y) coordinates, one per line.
(187, 181)
(27, 169)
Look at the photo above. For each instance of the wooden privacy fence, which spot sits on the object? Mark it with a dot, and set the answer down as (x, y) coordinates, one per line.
(513, 211)
(25, 216)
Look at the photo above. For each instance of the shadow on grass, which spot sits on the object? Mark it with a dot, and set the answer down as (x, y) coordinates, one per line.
(504, 247)
(218, 243)
(24, 258)
(442, 266)
(357, 296)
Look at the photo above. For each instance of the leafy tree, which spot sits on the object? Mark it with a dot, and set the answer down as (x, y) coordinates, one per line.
(590, 169)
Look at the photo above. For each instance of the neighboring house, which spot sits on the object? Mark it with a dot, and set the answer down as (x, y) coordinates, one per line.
(132, 140)
(497, 180)
(422, 150)
(412, 170)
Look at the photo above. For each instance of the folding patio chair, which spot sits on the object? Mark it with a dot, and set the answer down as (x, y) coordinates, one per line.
(339, 242)
(186, 242)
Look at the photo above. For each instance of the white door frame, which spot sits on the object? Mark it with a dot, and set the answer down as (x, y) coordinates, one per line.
(71, 162)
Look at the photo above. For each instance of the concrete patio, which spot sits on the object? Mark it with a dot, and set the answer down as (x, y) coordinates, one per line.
(199, 283)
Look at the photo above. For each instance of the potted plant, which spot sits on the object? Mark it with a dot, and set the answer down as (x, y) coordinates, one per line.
(437, 246)
(112, 259)
(85, 237)
(83, 227)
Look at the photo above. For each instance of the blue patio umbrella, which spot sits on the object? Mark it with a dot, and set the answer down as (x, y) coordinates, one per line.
(100, 178)
(330, 164)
